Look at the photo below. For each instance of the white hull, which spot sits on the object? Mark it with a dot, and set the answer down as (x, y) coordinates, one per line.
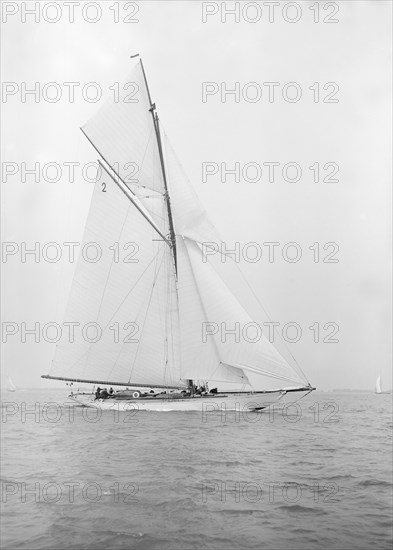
(236, 402)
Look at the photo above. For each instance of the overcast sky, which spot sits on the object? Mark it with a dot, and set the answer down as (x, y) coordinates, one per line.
(180, 52)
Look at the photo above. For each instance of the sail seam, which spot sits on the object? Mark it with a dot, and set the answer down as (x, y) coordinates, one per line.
(122, 302)
(260, 304)
(106, 284)
(147, 312)
(202, 304)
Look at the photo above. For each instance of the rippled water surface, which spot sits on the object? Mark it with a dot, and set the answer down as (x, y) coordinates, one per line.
(313, 476)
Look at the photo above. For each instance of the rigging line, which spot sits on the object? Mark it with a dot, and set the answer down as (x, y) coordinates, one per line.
(161, 195)
(305, 395)
(147, 311)
(147, 145)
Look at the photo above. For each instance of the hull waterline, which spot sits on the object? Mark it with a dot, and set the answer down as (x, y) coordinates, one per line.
(209, 403)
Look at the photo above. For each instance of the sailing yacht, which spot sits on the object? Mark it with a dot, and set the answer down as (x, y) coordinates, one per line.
(11, 386)
(150, 294)
(378, 386)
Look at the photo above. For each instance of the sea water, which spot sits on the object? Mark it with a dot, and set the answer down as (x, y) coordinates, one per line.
(312, 475)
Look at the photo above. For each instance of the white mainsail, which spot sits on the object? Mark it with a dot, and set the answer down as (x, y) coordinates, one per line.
(134, 296)
(378, 388)
(167, 293)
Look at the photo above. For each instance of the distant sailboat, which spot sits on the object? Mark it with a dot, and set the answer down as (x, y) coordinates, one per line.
(11, 386)
(165, 294)
(378, 386)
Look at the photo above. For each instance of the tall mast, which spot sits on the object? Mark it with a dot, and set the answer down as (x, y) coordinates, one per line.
(167, 198)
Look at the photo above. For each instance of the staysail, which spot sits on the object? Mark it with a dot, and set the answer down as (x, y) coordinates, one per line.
(229, 328)
(140, 309)
(199, 359)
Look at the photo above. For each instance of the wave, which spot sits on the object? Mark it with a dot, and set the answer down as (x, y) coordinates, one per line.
(298, 509)
(374, 483)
